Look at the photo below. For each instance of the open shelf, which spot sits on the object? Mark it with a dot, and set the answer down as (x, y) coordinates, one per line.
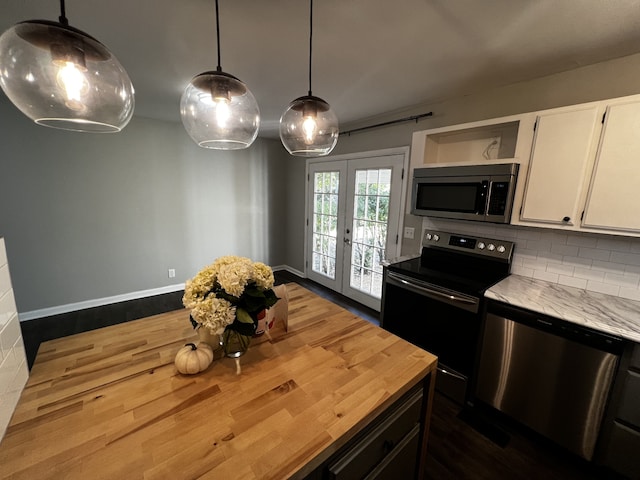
(472, 145)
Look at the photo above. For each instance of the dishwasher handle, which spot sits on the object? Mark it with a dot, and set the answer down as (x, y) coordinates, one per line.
(559, 327)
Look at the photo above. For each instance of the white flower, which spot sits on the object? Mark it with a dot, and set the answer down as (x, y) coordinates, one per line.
(234, 275)
(214, 314)
(226, 276)
(263, 275)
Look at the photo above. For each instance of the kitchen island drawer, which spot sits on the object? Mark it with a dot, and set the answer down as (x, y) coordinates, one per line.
(369, 452)
(622, 450)
(629, 409)
(400, 463)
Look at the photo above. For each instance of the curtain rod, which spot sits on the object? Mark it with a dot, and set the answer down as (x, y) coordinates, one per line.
(399, 120)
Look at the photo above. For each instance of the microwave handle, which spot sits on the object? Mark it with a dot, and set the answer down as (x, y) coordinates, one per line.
(486, 191)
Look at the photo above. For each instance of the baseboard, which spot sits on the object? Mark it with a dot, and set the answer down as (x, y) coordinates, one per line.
(289, 269)
(98, 302)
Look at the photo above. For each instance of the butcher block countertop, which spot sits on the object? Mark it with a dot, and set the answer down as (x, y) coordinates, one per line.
(110, 403)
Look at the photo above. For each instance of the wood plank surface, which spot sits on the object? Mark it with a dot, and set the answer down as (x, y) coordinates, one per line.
(110, 403)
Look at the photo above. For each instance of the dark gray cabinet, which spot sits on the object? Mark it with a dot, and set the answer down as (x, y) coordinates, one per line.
(389, 448)
(620, 444)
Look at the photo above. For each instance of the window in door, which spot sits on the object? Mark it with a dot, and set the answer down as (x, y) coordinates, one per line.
(325, 222)
(370, 217)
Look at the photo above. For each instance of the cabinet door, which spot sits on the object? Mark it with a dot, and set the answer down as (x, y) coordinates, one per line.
(612, 201)
(558, 166)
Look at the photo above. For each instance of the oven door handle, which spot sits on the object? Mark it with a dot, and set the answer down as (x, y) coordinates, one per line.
(451, 373)
(429, 290)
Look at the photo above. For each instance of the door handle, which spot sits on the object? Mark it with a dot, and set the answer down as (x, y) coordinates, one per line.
(347, 241)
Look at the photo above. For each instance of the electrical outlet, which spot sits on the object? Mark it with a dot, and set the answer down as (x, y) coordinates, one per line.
(409, 232)
(172, 273)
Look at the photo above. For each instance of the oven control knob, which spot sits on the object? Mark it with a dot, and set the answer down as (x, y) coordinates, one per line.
(436, 238)
(491, 247)
(428, 236)
(481, 245)
(501, 249)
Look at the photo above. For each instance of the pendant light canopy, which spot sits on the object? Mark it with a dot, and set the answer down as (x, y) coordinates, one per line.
(309, 127)
(218, 110)
(60, 77)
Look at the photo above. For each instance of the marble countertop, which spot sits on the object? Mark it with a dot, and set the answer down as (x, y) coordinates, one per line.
(605, 313)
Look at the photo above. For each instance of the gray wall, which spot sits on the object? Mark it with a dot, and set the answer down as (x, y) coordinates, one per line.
(610, 79)
(89, 216)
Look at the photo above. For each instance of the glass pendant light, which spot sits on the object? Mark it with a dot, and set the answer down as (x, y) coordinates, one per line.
(218, 110)
(309, 127)
(60, 77)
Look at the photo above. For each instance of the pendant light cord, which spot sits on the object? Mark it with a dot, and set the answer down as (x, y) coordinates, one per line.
(310, 40)
(63, 15)
(219, 69)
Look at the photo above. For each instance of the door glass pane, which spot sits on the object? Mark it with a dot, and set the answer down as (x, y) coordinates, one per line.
(325, 222)
(370, 216)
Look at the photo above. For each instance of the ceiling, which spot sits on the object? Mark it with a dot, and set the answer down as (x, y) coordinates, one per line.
(370, 57)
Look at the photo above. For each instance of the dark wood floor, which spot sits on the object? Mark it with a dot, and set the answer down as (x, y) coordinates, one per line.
(457, 450)
(462, 445)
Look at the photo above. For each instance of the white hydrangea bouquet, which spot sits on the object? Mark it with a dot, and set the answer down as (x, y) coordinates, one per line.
(227, 297)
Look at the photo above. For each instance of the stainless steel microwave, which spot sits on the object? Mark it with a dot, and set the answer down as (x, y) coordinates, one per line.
(481, 193)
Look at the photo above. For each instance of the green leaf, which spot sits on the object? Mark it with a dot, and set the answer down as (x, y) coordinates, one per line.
(243, 316)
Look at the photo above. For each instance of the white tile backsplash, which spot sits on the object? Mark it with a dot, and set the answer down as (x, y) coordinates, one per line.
(561, 269)
(614, 244)
(601, 263)
(625, 258)
(594, 254)
(572, 281)
(566, 250)
(546, 276)
(13, 361)
(582, 241)
(626, 280)
(606, 288)
(589, 274)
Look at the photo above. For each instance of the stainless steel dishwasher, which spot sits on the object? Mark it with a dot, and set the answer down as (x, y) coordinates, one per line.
(551, 375)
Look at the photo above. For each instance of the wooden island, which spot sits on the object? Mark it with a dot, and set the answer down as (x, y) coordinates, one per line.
(319, 401)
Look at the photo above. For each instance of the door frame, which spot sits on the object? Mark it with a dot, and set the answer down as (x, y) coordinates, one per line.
(404, 151)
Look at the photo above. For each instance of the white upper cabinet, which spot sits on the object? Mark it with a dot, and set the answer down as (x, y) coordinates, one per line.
(584, 169)
(612, 202)
(559, 164)
(579, 166)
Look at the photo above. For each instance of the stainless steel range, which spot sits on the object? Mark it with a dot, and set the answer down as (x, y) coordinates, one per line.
(435, 300)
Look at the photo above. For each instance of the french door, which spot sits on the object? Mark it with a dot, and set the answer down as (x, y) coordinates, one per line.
(354, 212)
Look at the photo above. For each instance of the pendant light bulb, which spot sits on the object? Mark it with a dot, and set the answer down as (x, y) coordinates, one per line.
(61, 77)
(219, 111)
(309, 127)
(309, 124)
(74, 84)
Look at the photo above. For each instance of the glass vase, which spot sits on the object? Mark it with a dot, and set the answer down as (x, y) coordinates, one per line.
(234, 344)
(212, 339)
